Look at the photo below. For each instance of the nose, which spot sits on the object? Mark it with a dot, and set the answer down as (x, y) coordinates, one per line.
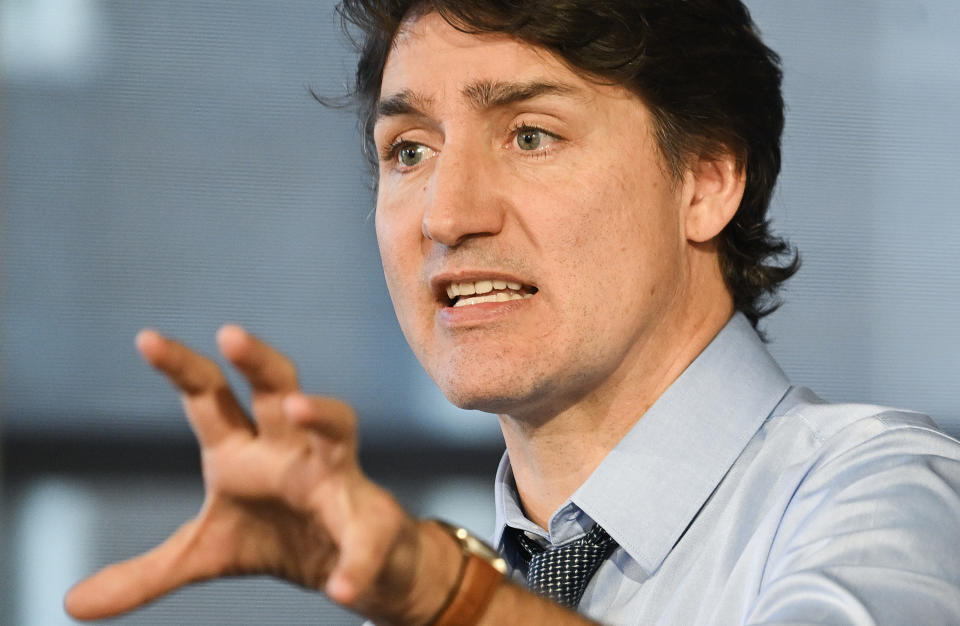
(462, 199)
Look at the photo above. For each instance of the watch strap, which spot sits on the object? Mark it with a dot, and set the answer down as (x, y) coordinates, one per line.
(480, 574)
(474, 592)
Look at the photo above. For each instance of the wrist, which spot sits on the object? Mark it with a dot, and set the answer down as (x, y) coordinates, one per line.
(481, 573)
(437, 572)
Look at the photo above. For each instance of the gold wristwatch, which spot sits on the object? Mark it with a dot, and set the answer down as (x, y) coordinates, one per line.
(480, 573)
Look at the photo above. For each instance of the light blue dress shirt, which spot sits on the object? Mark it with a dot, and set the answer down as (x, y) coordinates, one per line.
(739, 499)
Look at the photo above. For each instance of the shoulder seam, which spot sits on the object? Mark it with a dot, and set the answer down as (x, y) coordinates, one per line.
(813, 430)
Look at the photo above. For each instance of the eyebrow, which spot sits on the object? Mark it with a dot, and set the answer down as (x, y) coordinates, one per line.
(494, 94)
(406, 102)
(482, 95)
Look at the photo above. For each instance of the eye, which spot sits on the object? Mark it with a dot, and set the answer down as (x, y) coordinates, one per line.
(411, 154)
(534, 140)
(529, 138)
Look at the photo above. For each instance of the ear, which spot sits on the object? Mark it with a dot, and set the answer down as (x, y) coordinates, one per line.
(715, 187)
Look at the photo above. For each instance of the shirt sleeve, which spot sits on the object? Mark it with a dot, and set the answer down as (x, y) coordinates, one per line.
(872, 534)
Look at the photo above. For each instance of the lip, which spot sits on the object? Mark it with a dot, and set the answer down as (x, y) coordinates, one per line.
(475, 313)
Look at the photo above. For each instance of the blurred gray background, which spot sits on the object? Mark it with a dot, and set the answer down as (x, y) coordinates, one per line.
(164, 165)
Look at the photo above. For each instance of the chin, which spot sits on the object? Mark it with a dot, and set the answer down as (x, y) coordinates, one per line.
(478, 400)
(473, 392)
(503, 396)
(484, 381)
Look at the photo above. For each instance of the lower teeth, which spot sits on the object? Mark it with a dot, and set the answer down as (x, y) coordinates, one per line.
(495, 297)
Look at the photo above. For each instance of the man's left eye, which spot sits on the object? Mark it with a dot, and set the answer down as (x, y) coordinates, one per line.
(530, 138)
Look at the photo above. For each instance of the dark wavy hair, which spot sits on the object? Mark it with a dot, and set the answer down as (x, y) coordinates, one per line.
(711, 84)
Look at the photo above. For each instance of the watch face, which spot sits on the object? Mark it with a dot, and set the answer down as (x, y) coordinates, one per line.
(484, 551)
(473, 545)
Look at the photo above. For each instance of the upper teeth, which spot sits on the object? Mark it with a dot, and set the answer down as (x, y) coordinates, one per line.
(479, 287)
(460, 291)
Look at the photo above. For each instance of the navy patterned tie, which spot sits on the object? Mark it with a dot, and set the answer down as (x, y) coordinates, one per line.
(562, 573)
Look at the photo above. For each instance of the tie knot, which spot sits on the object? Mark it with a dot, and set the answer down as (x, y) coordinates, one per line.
(563, 572)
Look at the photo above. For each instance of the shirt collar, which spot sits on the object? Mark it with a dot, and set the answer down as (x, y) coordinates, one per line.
(652, 484)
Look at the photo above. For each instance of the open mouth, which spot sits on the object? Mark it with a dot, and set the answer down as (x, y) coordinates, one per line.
(483, 291)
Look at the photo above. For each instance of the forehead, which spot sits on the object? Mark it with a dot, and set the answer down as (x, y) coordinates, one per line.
(429, 56)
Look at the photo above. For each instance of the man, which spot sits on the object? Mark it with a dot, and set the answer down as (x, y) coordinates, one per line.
(570, 213)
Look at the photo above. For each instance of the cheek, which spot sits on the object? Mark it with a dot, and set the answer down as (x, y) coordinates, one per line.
(394, 221)
(386, 241)
(625, 234)
(399, 241)
(395, 267)
(596, 216)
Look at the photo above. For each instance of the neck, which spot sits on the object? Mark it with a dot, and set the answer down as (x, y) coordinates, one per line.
(551, 457)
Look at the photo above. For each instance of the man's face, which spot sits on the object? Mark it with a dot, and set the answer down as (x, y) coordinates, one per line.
(503, 169)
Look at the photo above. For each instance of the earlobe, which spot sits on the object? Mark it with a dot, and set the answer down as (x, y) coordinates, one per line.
(715, 190)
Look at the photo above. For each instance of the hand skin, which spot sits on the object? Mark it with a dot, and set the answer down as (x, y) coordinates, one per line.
(285, 496)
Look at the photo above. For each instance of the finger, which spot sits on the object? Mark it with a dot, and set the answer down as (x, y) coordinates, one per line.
(332, 419)
(268, 370)
(271, 376)
(213, 411)
(125, 586)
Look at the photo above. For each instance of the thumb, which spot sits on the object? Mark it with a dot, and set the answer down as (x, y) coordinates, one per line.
(128, 585)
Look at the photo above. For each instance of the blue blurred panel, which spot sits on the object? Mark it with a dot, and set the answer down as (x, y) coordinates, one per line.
(189, 180)
(170, 170)
(869, 194)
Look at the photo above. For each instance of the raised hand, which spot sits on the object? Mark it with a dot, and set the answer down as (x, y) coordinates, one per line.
(284, 496)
